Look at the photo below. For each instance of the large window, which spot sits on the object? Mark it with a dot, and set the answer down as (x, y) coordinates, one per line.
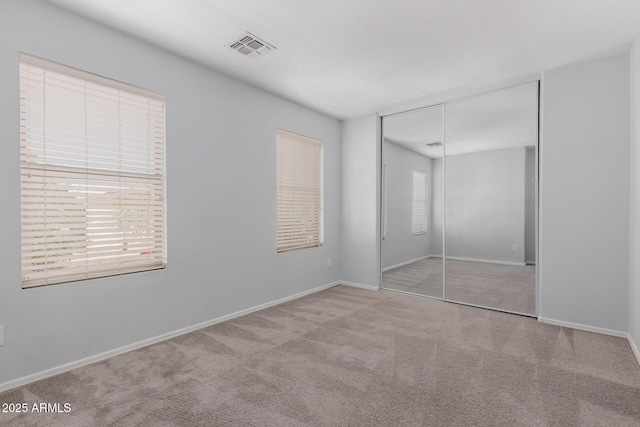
(92, 175)
(419, 203)
(299, 191)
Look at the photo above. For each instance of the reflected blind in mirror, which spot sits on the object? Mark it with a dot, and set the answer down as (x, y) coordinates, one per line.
(419, 203)
(383, 202)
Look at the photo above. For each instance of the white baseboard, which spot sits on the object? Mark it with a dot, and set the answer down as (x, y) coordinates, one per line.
(489, 261)
(144, 343)
(456, 258)
(634, 347)
(359, 285)
(391, 267)
(582, 327)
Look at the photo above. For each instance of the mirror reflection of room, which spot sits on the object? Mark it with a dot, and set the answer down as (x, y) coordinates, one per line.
(412, 202)
(463, 171)
(490, 163)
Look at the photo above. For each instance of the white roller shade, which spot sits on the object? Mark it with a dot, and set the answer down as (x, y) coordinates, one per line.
(299, 191)
(419, 206)
(92, 175)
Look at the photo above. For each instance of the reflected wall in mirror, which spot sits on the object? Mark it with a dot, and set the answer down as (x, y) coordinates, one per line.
(490, 199)
(412, 202)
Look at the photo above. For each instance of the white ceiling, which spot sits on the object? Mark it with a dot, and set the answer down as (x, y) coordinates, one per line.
(416, 129)
(506, 118)
(352, 57)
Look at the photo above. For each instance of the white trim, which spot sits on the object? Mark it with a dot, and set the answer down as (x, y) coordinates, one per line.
(582, 327)
(444, 201)
(453, 95)
(539, 192)
(358, 285)
(407, 262)
(632, 175)
(634, 347)
(144, 343)
(413, 293)
(485, 307)
(378, 240)
(489, 261)
(86, 75)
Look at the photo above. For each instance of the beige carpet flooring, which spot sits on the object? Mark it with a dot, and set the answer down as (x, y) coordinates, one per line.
(504, 287)
(353, 357)
(422, 277)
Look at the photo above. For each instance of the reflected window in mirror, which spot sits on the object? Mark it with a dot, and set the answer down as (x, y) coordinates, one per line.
(383, 201)
(419, 203)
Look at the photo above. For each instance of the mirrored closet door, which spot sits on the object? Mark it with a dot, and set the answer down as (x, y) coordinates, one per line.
(490, 162)
(412, 202)
(459, 180)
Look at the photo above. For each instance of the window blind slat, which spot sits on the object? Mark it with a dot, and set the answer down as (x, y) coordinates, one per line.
(37, 143)
(124, 268)
(92, 175)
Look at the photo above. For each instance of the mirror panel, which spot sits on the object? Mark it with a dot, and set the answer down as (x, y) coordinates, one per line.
(412, 202)
(490, 163)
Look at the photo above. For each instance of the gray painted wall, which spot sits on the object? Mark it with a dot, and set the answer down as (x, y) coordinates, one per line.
(634, 234)
(485, 203)
(584, 269)
(400, 245)
(360, 200)
(530, 205)
(221, 200)
(584, 211)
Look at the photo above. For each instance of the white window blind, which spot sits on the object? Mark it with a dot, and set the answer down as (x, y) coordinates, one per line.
(92, 175)
(383, 201)
(419, 207)
(299, 191)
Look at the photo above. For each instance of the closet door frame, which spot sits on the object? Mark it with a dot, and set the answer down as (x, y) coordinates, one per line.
(382, 192)
(443, 99)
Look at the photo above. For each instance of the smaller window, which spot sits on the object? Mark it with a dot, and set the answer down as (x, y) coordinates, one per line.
(419, 206)
(299, 191)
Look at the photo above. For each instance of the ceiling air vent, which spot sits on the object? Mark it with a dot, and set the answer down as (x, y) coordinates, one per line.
(434, 144)
(251, 46)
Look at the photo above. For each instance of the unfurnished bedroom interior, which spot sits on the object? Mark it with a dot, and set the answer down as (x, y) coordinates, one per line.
(283, 213)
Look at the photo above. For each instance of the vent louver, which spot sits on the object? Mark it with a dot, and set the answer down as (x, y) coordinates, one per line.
(252, 46)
